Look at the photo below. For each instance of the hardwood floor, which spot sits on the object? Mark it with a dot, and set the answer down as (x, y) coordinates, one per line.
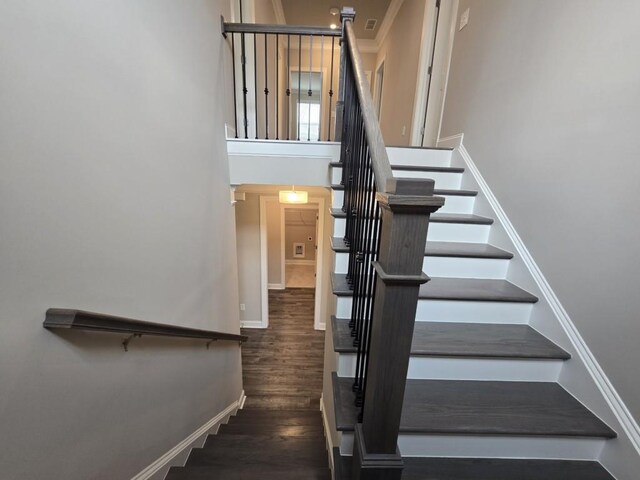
(282, 365)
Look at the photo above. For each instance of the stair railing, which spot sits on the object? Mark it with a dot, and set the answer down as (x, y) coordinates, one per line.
(386, 231)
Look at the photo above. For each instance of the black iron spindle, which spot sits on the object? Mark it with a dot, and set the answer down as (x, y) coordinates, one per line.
(309, 92)
(235, 98)
(255, 79)
(322, 80)
(243, 60)
(288, 119)
(277, 75)
(266, 90)
(299, 80)
(333, 40)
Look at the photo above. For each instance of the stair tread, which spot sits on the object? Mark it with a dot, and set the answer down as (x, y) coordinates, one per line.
(444, 339)
(415, 168)
(470, 407)
(433, 468)
(464, 289)
(447, 249)
(465, 218)
(244, 472)
(315, 431)
(437, 191)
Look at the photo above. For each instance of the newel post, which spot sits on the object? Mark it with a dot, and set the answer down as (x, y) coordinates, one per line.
(405, 219)
(347, 14)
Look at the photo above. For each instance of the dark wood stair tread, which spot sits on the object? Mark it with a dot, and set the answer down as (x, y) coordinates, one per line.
(415, 168)
(316, 431)
(446, 249)
(464, 289)
(266, 449)
(261, 417)
(250, 471)
(437, 191)
(472, 340)
(464, 218)
(430, 468)
(469, 407)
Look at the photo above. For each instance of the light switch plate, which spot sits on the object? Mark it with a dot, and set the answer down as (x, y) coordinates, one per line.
(464, 19)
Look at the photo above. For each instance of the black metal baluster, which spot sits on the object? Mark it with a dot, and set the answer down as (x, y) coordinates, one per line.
(299, 80)
(277, 86)
(322, 80)
(310, 93)
(288, 119)
(255, 79)
(235, 98)
(266, 91)
(333, 40)
(243, 60)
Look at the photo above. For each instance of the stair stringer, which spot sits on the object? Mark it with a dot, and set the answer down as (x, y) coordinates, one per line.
(582, 376)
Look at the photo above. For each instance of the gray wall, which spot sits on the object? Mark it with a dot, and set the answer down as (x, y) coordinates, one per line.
(547, 95)
(114, 198)
(248, 247)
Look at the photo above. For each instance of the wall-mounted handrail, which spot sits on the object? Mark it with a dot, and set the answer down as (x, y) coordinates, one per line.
(71, 319)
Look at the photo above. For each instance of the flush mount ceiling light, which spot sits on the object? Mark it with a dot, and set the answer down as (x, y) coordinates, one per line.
(333, 26)
(293, 196)
(335, 11)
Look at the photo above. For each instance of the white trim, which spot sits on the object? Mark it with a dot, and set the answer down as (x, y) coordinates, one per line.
(251, 324)
(604, 385)
(283, 253)
(452, 141)
(327, 435)
(387, 21)
(276, 286)
(264, 267)
(279, 12)
(289, 261)
(166, 459)
(452, 35)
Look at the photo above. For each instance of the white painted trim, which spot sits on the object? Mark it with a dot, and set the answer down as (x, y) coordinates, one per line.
(604, 385)
(276, 286)
(452, 141)
(264, 267)
(279, 12)
(299, 262)
(251, 324)
(327, 434)
(166, 459)
(387, 21)
(427, 41)
(452, 34)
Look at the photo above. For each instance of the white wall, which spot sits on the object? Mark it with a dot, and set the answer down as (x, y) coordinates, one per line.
(114, 198)
(546, 94)
(248, 247)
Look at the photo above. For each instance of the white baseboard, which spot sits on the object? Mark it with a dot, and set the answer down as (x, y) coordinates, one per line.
(299, 262)
(168, 459)
(276, 286)
(251, 324)
(327, 435)
(586, 356)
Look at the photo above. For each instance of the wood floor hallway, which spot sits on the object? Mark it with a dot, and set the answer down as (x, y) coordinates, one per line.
(282, 365)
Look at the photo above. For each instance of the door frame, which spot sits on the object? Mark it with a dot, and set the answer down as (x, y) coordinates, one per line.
(315, 203)
(433, 87)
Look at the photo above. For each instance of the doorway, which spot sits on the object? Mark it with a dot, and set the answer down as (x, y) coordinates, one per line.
(377, 98)
(300, 245)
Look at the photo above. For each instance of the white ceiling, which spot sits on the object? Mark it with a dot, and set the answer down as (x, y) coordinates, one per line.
(316, 13)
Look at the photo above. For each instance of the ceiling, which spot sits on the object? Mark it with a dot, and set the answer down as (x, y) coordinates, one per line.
(316, 13)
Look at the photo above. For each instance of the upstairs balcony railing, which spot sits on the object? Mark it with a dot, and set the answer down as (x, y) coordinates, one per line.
(387, 219)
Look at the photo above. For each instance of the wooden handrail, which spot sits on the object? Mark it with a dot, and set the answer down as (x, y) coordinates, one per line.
(278, 29)
(385, 182)
(62, 318)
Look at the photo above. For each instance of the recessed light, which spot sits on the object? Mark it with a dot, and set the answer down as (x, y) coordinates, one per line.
(333, 26)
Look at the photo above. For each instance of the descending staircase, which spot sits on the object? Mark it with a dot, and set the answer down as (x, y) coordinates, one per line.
(261, 443)
(481, 381)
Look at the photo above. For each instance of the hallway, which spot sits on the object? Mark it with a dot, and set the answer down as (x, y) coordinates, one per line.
(282, 365)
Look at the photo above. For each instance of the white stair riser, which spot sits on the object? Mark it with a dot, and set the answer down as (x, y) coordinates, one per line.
(447, 266)
(490, 446)
(458, 311)
(452, 204)
(417, 156)
(440, 368)
(439, 232)
(442, 179)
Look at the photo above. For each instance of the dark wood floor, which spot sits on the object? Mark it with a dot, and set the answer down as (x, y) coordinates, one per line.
(282, 365)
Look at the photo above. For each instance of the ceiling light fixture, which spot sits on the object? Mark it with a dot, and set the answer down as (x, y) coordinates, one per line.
(335, 11)
(293, 196)
(333, 26)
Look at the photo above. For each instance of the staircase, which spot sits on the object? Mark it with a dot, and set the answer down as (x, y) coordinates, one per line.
(481, 381)
(261, 443)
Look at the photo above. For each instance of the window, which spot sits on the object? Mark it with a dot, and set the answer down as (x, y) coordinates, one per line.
(309, 115)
